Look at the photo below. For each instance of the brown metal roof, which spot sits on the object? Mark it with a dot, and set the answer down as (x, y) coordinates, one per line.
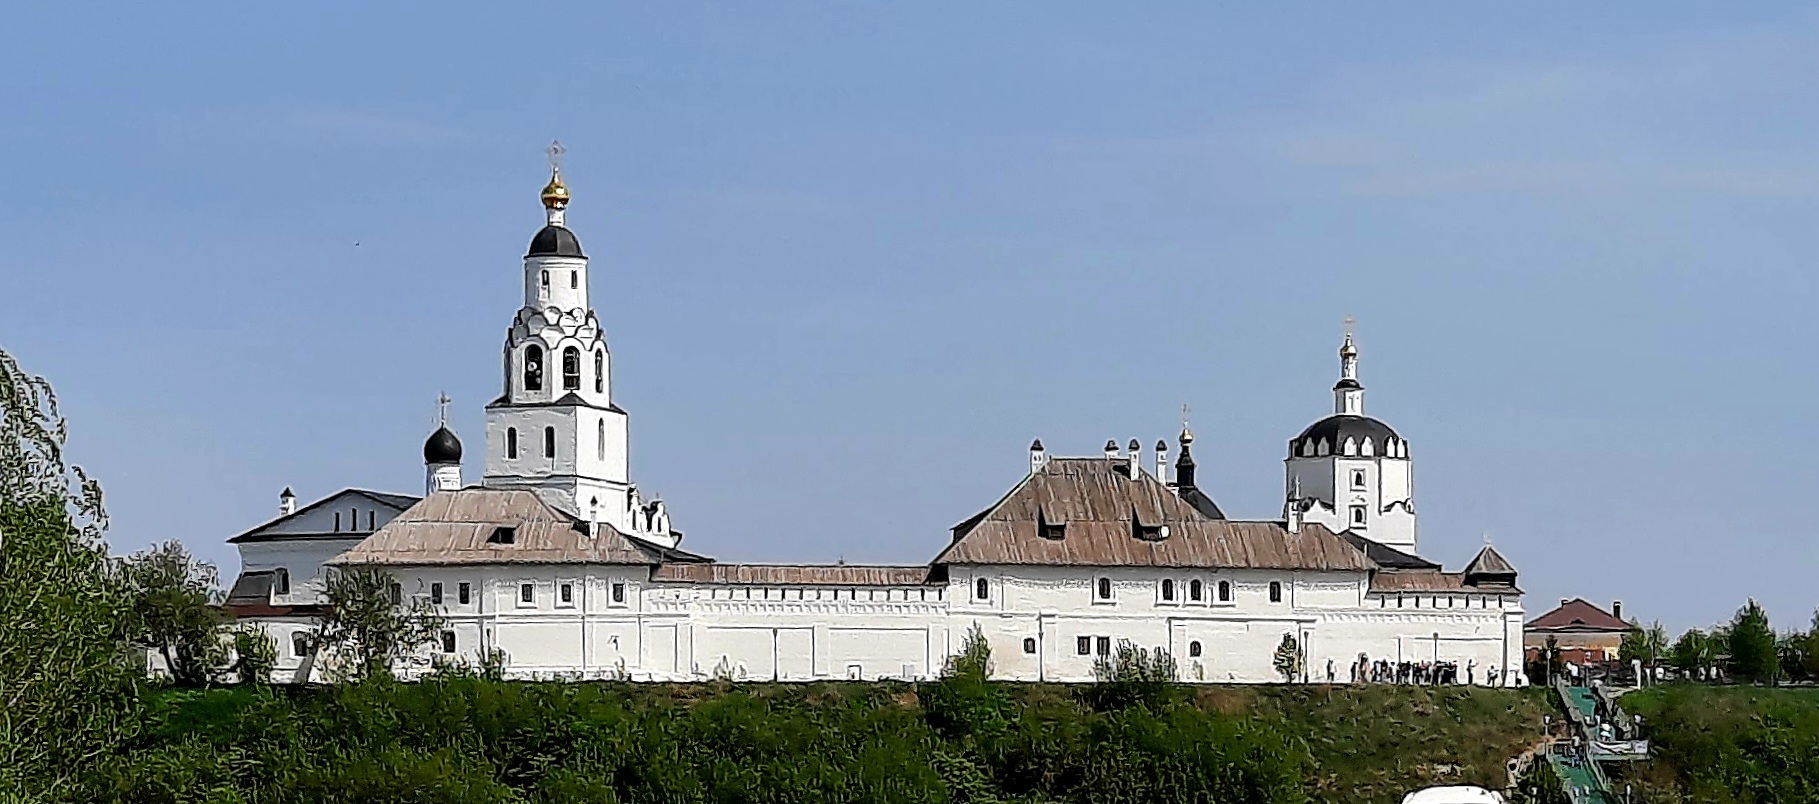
(1578, 615)
(1102, 507)
(453, 527)
(1490, 562)
(796, 574)
(1424, 580)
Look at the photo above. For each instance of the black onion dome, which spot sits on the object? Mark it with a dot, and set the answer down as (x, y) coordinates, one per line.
(1339, 427)
(442, 447)
(555, 241)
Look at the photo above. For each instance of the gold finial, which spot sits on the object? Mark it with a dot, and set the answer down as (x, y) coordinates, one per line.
(555, 195)
(1187, 435)
(1349, 349)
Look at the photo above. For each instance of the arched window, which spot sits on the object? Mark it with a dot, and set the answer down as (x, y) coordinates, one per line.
(571, 369)
(1194, 590)
(1358, 478)
(599, 371)
(549, 442)
(1168, 589)
(982, 589)
(1357, 516)
(1105, 589)
(533, 368)
(1275, 591)
(1193, 649)
(1225, 591)
(511, 442)
(281, 582)
(574, 279)
(602, 438)
(543, 282)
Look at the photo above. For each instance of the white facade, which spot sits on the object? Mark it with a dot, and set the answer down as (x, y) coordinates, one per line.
(663, 614)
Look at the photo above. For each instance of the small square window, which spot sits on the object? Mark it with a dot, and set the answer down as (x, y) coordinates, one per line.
(1083, 645)
(503, 534)
(527, 593)
(448, 642)
(461, 593)
(618, 592)
(566, 594)
(1029, 645)
(1102, 646)
(435, 593)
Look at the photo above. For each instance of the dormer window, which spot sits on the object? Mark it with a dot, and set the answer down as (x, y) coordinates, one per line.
(504, 534)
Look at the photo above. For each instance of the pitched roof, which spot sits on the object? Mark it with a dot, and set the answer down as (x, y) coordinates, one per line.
(1385, 556)
(1489, 562)
(395, 501)
(796, 574)
(454, 527)
(1577, 615)
(1107, 518)
(1436, 580)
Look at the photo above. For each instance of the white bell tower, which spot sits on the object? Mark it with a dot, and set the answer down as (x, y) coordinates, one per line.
(556, 426)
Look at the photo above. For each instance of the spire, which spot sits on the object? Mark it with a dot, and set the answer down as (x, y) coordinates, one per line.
(1348, 393)
(555, 194)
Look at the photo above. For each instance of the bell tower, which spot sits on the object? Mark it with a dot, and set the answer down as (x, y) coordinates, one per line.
(556, 427)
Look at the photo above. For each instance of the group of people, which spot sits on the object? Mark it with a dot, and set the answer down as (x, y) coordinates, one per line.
(1384, 671)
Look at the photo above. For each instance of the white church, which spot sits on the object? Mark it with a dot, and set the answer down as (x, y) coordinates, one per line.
(555, 562)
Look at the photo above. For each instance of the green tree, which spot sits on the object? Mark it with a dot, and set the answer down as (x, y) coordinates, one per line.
(254, 655)
(366, 633)
(1689, 653)
(68, 695)
(1751, 645)
(172, 596)
(1288, 658)
(1133, 676)
(964, 702)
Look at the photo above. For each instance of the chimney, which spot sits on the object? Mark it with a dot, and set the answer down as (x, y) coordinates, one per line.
(1136, 455)
(1162, 460)
(1291, 516)
(1617, 609)
(1038, 457)
(1111, 448)
(593, 517)
(287, 502)
(1564, 601)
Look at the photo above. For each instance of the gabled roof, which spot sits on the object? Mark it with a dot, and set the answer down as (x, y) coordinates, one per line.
(455, 527)
(397, 502)
(1577, 615)
(1108, 518)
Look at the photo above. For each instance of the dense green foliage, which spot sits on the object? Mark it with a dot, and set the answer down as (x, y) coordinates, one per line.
(367, 625)
(466, 738)
(1752, 646)
(171, 596)
(1717, 745)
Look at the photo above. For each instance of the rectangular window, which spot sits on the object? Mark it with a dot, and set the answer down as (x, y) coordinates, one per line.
(461, 593)
(1103, 646)
(618, 593)
(300, 643)
(1083, 645)
(566, 595)
(397, 595)
(1102, 590)
(527, 593)
(448, 642)
(1029, 645)
(435, 593)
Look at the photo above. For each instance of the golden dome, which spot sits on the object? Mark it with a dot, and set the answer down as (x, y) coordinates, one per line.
(555, 195)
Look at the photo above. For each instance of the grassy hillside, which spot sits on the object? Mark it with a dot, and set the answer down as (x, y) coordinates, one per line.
(1718, 745)
(475, 740)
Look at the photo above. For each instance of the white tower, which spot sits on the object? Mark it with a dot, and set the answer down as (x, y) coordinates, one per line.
(1349, 471)
(556, 427)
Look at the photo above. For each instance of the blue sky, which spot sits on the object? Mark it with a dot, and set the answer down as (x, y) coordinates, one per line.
(851, 258)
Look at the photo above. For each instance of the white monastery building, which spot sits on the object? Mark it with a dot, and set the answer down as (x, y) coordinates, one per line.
(557, 564)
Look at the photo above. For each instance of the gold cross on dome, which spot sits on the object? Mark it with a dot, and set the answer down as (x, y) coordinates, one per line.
(555, 152)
